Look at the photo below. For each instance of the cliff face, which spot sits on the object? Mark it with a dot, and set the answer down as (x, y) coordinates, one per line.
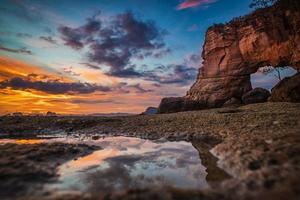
(232, 52)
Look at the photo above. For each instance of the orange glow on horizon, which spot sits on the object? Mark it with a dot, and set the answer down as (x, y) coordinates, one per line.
(33, 101)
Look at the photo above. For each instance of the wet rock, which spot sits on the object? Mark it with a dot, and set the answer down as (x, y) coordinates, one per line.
(33, 165)
(178, 104)
(287, 90)
(232, 102)
(257, 95)
(171, 104)
(150, 111)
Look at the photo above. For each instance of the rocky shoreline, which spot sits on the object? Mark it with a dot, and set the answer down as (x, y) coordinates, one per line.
(25, 168)
(258, 145)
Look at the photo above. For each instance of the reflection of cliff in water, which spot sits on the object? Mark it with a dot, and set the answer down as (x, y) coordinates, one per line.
(214, 173)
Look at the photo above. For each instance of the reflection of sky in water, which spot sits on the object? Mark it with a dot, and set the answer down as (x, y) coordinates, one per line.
(22, 141)
(126, 163)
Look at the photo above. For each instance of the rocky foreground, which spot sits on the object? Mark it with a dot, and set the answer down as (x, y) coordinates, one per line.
(258, 145)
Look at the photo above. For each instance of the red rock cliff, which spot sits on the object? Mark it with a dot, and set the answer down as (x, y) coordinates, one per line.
(232, 52)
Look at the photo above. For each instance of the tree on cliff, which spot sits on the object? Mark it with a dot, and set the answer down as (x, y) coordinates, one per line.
(261, 3)
(274, 70)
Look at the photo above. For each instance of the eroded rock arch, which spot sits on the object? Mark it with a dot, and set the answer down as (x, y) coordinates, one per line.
(232, 52)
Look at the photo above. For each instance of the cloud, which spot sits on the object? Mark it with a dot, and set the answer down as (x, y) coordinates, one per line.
(77, 38)
(123, 87)
(92, 66)
(70, 71)
(52, 87)
(23, 35)
(116, 42)
(23, 50)
(193, 3)
(18, 34)
(48, 39)
(95, 101)
(193, 60)
(140, 89)
(181, 74)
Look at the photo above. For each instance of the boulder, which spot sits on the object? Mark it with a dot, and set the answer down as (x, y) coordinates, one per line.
(150, 111)
(287, 90)
(232, 102)
(178, 104)
(171, 104)
(257, 95)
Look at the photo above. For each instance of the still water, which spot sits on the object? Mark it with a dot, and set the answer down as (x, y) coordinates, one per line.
(128, 163)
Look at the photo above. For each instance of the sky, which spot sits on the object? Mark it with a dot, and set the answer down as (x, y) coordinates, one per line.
(102, 56)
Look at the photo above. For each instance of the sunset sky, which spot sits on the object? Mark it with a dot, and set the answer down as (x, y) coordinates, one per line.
(100, 56)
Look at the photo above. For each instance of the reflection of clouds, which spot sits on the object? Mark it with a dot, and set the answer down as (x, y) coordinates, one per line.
(147, 169)
(141, 164)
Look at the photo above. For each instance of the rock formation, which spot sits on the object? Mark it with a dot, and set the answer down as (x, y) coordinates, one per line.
(287, 90)
(150, 111)
(257, 95)
(234, 51)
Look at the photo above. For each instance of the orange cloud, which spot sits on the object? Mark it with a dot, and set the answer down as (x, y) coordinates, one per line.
(30, 100)
(10, 68)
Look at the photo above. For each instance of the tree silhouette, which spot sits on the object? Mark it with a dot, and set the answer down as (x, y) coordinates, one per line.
(275, 70)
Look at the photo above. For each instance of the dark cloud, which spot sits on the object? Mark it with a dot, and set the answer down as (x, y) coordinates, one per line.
(77, 38)
(85, 101)
(123, 87)
(44, 77)
(23, 50)
(114, 44)
(48, 39)
(140, 89)
(125, 72)
(53, 87)
(58, 86)
(89, 65)
(179, 74)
